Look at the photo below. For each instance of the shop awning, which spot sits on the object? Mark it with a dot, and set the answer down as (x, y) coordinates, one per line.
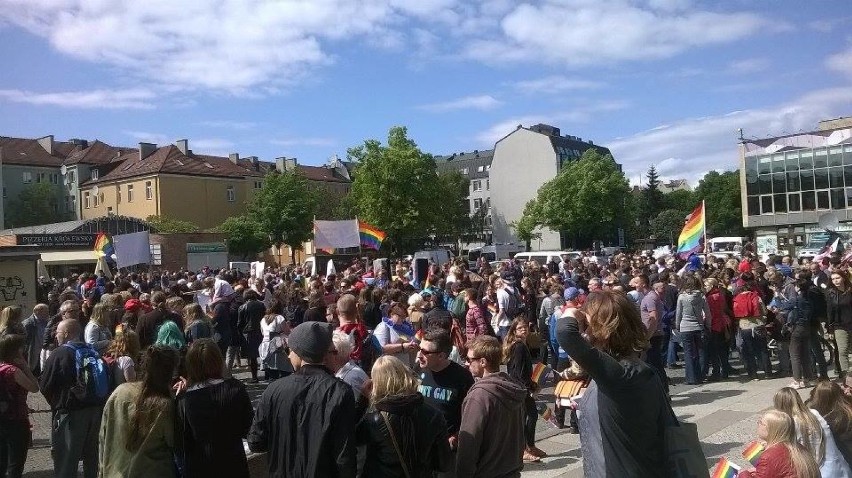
(69, 257)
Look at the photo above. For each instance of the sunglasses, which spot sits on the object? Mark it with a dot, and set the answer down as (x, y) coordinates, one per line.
(429, 352)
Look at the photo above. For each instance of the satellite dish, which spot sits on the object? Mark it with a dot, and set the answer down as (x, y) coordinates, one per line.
(829, 221)
(95, 190)
(63, 169)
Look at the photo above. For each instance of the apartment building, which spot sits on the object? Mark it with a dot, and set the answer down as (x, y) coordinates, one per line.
(476, 166)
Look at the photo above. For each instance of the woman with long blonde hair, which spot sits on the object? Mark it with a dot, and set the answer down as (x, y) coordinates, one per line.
(813, 434)
(11, 318)
(98, 332)
(783, 456)
(124, 353)
(404, 436)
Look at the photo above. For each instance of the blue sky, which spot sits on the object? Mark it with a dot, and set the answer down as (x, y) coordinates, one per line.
(664, 82)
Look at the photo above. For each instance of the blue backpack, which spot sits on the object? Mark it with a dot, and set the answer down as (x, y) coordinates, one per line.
(93, 380)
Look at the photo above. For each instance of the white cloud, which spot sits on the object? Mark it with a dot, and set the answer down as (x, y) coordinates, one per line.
(690, 147)
(479, 102)
(159, 139)
(211, 146)
(315, 142)
(749, 65)
(841, 62)
(555, 84)
(588, 32)
(136, 98)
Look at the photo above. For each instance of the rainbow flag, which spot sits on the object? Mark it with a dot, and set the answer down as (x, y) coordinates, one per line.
(753, 451)
(689, 240)
(103, 246)
(541, 373)
(371, 237)
(725, 469)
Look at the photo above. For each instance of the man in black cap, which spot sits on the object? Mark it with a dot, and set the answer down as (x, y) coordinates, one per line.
(306, 421)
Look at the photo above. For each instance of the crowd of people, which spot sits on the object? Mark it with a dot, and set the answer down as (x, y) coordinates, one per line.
(374, 373)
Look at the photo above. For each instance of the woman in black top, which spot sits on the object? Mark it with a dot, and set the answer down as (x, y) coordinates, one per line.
(404, 437)
(213, 416)
(624, 409)
(839, 302)
(518, 360)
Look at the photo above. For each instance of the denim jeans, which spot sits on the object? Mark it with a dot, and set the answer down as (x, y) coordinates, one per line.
(693, 356)
(754, 352)
(841, 336)
(669, 350)
(817, 356)
(74, 438)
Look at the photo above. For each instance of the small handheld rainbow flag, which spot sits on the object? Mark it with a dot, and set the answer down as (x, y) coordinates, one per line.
(541, 374)
(725, 469)
(753, 451)
(371, 237)
(689, 240)
(103, 246)
(546, 414)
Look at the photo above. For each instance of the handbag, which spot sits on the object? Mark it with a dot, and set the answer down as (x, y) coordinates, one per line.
(395, 444)
(568, 391)
(684, 456)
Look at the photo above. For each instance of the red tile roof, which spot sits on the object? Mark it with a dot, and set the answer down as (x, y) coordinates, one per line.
(319, 173)
(28, 152)
(170, 160)
(97, 153)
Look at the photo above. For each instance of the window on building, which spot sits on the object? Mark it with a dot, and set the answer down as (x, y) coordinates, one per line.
(72, 176)
(780, 203)
(27, 177)
(487, 184)
(477, 204)
(753, 206)
(41, 177)
(129, 193)
(109, 210)
(231, 197)
(54, 178)
(95, 200)
(766, 204)
(464, 170)
(149, 190)
(95, 174)
(808, 201)
(480, 169)
(476, 185)
(822, 200)
(821, 178)
(258, 184)
(86, 200)
(795, 202)
(838, 199)
(835, 156)
(488, 167)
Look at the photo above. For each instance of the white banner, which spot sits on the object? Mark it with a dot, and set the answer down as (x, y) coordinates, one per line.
(132, 249)
(336, 234)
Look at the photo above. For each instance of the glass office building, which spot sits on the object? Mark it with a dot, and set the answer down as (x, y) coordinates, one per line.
(789, 182)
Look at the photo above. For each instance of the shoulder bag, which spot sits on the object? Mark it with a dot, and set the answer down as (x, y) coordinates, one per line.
(395, 444)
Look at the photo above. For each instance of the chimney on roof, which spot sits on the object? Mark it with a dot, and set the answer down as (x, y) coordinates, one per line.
(234, 157)
(183, 146)
(47, 143)
(255, 164)
(283, 164)
(146, 149)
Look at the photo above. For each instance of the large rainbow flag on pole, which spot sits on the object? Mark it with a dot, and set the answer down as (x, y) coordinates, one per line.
(690, 237)
(371, 237)
(103, 246)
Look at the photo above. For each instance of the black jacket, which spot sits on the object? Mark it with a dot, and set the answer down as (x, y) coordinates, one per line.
(306, 421)
(249, 315)
(420, 432)
(57, 379)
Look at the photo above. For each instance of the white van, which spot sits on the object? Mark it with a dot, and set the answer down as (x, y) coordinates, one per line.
(438, 256)
(543, 257)
(725, 247)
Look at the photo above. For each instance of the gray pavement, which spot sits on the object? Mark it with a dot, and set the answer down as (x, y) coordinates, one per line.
(726, 414)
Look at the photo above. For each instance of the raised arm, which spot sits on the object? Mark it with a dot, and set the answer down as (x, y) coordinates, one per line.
(603, 368)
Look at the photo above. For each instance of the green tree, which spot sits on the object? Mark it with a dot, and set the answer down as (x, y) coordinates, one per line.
(682, 200)
(245, 236)
(721, 194)
(36, 204)
(588, 198)
(652, 197)
(397, 189)
(454, 220)
(284, 207)
(526, 227)
(667, 225)
(170, 225)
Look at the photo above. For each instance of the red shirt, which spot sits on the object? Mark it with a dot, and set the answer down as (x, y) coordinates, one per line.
(18, 407)
(775, 462)
(360, 333)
